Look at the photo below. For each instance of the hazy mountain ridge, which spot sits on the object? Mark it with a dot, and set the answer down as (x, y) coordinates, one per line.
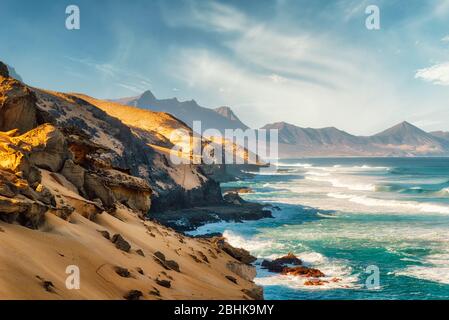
(187, 111)
(403, 139)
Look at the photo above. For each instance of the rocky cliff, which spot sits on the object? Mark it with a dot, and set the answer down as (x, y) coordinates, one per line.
(84, 180)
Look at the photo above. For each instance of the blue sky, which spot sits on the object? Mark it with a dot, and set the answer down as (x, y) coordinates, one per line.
(310, 63)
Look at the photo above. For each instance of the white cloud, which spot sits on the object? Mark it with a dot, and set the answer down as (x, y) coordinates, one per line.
(445, 38)
(436, 74)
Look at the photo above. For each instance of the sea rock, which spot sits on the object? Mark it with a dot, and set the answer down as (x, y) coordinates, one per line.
(233, 198)
(273, 266)
(315, 282)
(303, 271)
(290, 258)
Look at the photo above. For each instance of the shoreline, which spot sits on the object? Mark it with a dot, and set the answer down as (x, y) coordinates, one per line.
(233, 209)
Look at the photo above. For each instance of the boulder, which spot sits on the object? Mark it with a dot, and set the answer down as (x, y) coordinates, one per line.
(233, 198)
(46, 147)
(17, 105)
(121, 243)
(239, 254)
(75, 174)
(232, 279)
(96, 188)
(315, 282)
(133, 295)
(273, 266)
(122, 272)
(163, 283)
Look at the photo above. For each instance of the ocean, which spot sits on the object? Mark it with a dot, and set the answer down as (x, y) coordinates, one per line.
(346, 215)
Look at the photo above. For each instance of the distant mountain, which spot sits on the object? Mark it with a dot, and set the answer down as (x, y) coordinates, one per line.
(441, 134)
(187, 111)
(403, 139)
(230, 115)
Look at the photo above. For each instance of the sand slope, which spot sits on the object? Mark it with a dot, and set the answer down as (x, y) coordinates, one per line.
(30, 257)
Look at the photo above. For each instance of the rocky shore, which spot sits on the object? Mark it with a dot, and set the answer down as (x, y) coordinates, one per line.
(233, 208)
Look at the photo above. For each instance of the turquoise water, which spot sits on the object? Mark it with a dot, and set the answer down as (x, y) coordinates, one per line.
(343, 215)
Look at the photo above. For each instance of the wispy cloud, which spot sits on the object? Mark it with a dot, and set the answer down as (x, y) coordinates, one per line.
(299, 73)
(120, 77)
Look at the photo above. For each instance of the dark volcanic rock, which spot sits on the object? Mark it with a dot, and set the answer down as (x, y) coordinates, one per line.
(273, 266)
(303, 271)
(173, 265)
(133, 295)
(232, 279)
(163, 283)
(122, 272)
(290, 258)
(190, 219)
(105, 234)
(239, 254)
(121, 243)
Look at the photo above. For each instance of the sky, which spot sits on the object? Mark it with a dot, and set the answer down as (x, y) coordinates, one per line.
(308, 63)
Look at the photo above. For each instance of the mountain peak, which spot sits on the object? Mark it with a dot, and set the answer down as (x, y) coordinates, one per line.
(403, 128)
(226, 112)
(148, 96)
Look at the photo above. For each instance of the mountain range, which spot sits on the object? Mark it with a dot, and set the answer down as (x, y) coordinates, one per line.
(188, 111)
(401, 140)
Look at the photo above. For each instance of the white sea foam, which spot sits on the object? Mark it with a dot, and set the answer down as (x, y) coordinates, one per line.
(253, 245)
(408, 206)
(318, 174)
(445, 191)
(340, 183)
(435, 274)
(301, 165)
